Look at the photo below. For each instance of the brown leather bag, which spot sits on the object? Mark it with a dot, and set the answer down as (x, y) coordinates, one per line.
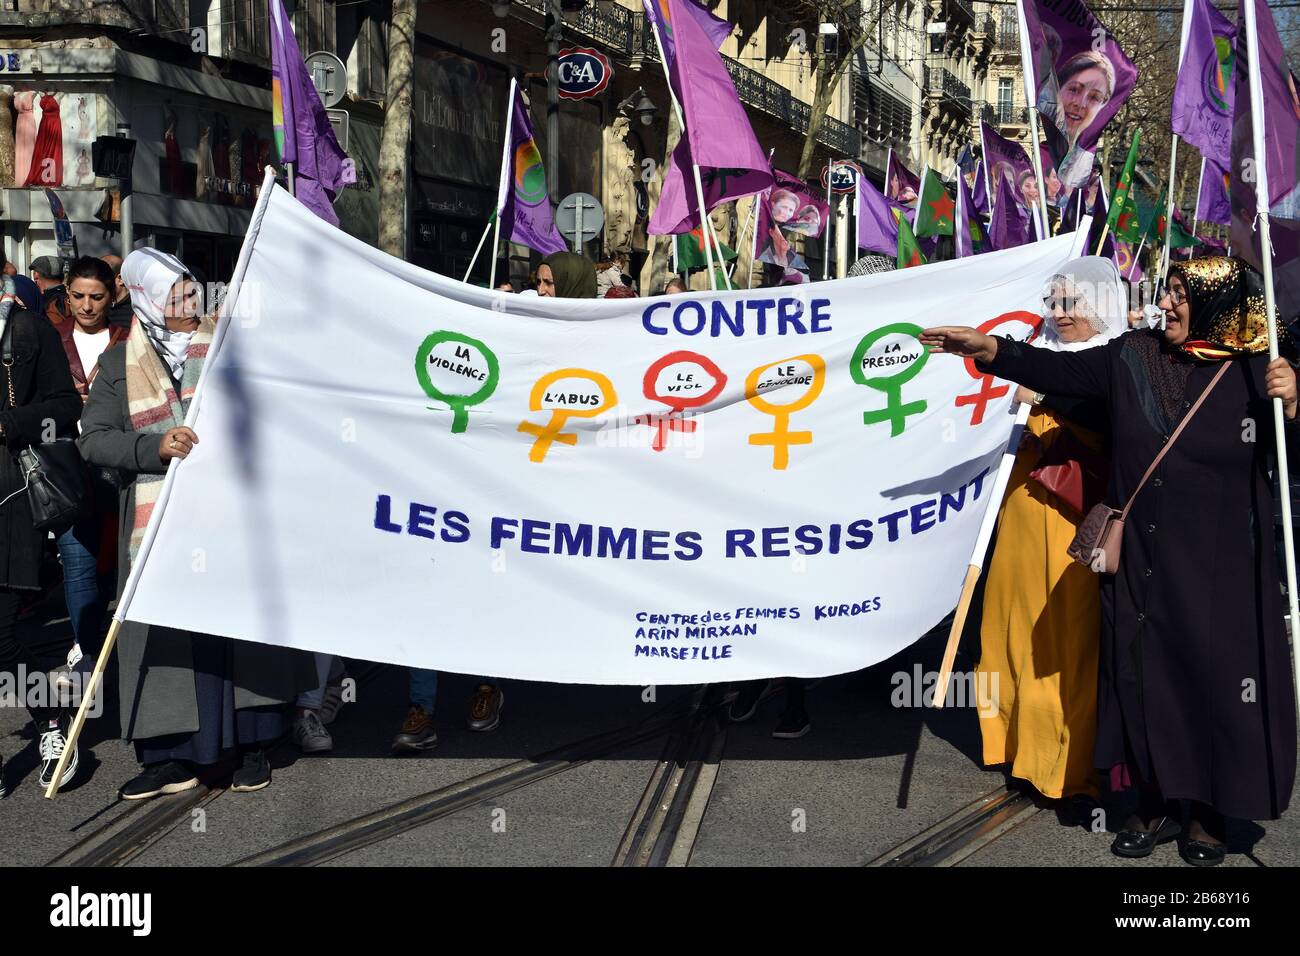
(1097, 543)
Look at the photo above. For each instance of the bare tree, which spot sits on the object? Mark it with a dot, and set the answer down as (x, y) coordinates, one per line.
(854, 26)
(395, 140)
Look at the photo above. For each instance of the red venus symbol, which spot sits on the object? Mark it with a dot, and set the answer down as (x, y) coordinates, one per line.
(686, 388)
(988, 391)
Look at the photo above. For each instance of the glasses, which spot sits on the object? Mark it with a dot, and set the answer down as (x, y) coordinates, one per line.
(1066, 302)
(1176, 296)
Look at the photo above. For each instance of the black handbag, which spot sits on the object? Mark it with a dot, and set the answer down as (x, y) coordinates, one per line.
(55, 477)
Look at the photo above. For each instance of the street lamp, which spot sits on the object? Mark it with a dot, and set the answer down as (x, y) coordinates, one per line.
(639, 104)
(501, 8)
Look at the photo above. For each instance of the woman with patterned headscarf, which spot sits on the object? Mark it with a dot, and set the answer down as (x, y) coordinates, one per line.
(1196, 707)
(1042, 610)
(188, 700)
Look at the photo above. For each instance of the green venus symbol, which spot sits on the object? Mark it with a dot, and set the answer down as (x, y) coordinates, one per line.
(894, 412)
(468, 360)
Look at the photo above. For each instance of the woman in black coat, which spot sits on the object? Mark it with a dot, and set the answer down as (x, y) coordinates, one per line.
(1195, 693)
(36, 392)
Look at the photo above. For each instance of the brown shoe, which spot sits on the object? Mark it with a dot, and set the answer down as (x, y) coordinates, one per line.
(417, 732)
(485, 708)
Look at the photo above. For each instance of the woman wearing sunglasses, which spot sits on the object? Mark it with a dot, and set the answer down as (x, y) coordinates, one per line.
(1042, 610)
(1196, 705)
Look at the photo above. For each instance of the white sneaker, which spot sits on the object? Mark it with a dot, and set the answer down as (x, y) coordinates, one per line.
(51, 746)
(310, 734)
(74, 655)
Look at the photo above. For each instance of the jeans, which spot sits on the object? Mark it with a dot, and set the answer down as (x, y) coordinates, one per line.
(424, 687)
(87, 601)
(312, 699)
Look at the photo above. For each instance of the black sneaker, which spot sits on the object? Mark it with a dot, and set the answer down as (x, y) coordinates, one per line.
(485, 708)
(254, 774)
(169, 777)
(745, 702)
(793, 723)
(417, 732)
(53, 741)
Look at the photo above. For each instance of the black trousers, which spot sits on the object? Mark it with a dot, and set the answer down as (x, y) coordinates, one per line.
(14, 654)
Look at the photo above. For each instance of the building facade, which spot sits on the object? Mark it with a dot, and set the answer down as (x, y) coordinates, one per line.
(189, 81)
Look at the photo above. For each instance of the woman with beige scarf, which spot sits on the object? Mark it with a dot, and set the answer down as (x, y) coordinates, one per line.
(187, 699)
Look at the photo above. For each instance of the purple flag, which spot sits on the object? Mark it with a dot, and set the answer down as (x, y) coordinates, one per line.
(1281, 118)
(901, 184)
(657, 13)
(1213, 204)
(877, 219)
(1006, 160)
(1010, 224)
(523, 201)
(968, 231)
(786, 211)
(717, 138)
(1204, 93)
(980, 192)
(1089, 80)
(302, 128)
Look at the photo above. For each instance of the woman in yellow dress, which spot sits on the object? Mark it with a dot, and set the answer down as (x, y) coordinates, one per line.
(1042, 615)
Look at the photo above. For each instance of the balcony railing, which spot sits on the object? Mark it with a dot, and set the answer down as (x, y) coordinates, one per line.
(960, 9)
(941, 82)
(1009, 114)
(762, 93)
(615, 29)
(984, 112)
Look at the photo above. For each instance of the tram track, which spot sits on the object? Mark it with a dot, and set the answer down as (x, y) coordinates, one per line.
(964, 832)
(145, 823)
(379, 825)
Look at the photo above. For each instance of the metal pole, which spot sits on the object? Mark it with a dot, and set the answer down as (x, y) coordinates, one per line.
(126, 221)
(826, 240)
(1270, 304)
(554, 35)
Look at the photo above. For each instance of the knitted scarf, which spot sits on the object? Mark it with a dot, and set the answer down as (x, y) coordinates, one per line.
(155, 407)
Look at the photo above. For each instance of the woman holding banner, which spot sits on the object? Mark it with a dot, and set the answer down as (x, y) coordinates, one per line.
(185, 697)
(1042, 611)
(1195, 694)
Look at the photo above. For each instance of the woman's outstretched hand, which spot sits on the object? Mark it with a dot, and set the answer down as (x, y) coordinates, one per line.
(962, 341)
(1280, 380)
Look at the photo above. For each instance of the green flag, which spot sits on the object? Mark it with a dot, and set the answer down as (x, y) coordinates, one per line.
(909, 252)
(690, 251)
(1123, 218)
(935, 211)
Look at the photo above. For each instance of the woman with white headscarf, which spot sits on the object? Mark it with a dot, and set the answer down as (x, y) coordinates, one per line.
(187, 699)
(1042, 610)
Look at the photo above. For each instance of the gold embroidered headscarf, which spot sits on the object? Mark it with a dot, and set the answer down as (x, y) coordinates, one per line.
(1225, 298)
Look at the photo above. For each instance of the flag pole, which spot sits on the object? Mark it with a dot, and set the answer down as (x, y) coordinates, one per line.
(1169, 210)
(744, 234)
(1031, 83)
(507, 165)
(160, 507)
(989, 191)
(1257, 121)
(707, 227)
(1200, 184)
(758, 198)
(1173, 153)
(478, 248)
(1138, 254)
(826, 241)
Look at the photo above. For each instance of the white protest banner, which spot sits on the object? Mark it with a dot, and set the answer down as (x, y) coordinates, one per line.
(399, 467)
